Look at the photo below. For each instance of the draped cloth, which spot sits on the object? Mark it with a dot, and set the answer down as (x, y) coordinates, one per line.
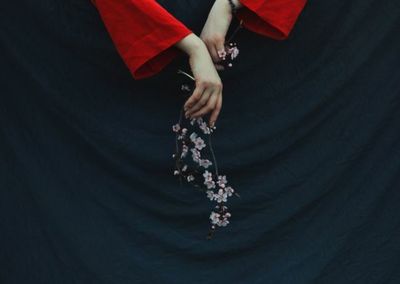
(308, 136)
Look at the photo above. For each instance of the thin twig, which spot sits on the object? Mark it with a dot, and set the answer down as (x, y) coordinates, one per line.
(236, 31)
(213, 155)
(186, 74)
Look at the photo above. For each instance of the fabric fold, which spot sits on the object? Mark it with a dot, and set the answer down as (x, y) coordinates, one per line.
(274, 18)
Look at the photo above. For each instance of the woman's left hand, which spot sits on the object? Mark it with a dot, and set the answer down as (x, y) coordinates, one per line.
(215, 29)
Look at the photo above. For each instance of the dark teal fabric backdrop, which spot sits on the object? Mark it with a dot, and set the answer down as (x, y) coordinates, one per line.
(309, 135)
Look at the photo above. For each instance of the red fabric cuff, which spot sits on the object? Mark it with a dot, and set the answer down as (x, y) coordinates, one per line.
(143, 33)
(159, 52)
(273, 18)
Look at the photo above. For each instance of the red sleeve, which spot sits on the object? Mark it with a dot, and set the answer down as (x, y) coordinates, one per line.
(273, 18)
(143, 33)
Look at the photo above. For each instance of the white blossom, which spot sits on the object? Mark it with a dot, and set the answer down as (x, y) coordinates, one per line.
(199, 143)
(193, 136)
(185, 149)
(210, 194)
(208, 180)
(223, 222)
(222, 181)
(203, 126)
(214, 217)
(199, 120)
(207, 175)
(234, 52)
(205, 163)
(229, 190)
(176, 127)
(221, 196)
(210, 184)
(195, 154)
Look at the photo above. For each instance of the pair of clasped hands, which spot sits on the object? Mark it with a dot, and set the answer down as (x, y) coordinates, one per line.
(204, 55)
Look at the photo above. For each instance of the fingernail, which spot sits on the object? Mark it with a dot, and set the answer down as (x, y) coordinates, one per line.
(212, 123)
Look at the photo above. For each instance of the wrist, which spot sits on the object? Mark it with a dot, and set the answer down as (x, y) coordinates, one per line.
(190, 44)
(232, 5)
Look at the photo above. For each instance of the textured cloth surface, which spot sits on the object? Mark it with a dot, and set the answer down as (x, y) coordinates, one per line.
(308, 136)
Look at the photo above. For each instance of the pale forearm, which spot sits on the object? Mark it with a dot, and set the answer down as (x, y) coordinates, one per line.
(191, 44)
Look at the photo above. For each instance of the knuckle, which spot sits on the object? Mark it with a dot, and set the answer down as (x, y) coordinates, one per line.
(196, 95)
(205, 83)
(199, 83)
(203, 103)
(210, 105)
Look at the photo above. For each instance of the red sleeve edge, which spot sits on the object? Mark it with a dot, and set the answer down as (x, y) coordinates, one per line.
(278, 27)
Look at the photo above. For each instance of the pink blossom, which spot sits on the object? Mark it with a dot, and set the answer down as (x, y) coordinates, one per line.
(210, 194)
(208, 180)
(195, 154)
(176, 127)
(221, 181)
(193, 136)
(234, 52)
(229, 190)
(210, 184)
(214, 217)
(185, 149)
(207, 176)
(206, 130)
(221, 196)
(205, 163)
(199, 143)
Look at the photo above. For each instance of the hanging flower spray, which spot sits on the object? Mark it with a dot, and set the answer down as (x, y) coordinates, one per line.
(193, 143)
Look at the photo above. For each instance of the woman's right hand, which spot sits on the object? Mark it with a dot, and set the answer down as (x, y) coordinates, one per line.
(207, 96)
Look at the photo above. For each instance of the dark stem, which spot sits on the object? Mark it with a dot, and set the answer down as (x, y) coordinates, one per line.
(235, 31)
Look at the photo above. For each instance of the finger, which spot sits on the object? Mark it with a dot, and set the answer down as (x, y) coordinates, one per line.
(218, 67)
(214, 53)
(209, 106)
(216, 111)
(203, 100)
(198, 91)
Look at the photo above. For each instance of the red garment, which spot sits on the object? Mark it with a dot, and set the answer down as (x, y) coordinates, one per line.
(273, 18)
(144, 33)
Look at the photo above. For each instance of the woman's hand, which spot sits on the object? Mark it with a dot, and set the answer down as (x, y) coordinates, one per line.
(215, 29)
(207, 96)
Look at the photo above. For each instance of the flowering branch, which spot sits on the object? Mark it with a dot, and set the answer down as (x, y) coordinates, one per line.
(213, 184)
